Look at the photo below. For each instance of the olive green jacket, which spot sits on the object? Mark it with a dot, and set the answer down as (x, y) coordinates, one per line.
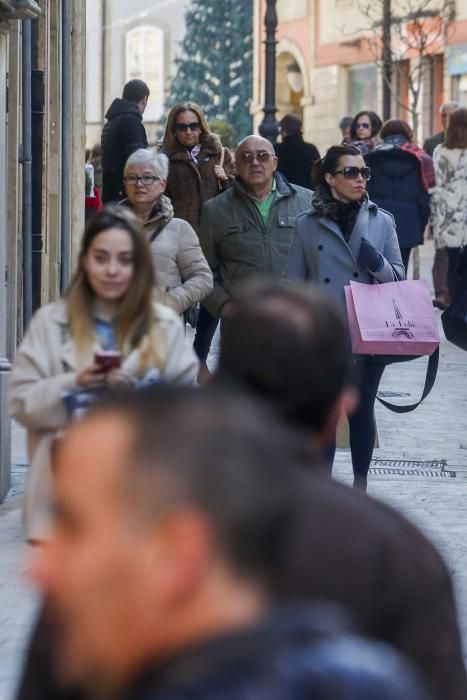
(239, 246)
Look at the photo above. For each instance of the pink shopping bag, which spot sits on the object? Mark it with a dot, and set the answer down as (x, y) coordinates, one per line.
(396, 318)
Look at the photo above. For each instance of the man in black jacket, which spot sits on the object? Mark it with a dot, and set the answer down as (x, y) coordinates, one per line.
(288, 345)
(295, 157)
(122, 134)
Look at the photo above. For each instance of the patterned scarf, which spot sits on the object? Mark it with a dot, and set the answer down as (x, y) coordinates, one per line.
(343, 213)
(427, 170)
(194, 153)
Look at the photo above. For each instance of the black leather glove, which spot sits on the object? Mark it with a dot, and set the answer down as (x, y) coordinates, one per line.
(369, 258)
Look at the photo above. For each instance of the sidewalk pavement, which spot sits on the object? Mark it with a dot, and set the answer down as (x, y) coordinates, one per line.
(420, 468)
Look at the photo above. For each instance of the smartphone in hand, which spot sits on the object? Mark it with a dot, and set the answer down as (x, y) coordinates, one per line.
(108, 360)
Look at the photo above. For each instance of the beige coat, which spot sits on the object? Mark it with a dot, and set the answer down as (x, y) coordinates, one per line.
(183, 276)
(45, 367)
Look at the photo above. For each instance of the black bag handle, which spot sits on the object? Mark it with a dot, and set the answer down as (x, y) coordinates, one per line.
(431, 372)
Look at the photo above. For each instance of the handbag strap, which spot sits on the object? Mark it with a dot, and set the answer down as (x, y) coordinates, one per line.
(221, 161)
(431, 372)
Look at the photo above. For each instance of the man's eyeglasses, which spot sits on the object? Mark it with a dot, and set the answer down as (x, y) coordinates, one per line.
(133, 180)
(192, 126)
(261, 156)
(351, 172)
(363, 125)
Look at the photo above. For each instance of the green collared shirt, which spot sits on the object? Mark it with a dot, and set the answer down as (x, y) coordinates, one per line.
(264, 207)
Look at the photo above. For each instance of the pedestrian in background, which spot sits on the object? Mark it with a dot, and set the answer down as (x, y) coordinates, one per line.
(364, 131)
(450, 199)
(295, 157)
(401, 177)
(108, 307)
(199, 169)
(246, 232)
(345, 126)
(343, 237)
(440, 262)
(122, 134)
(437, 139)
(182, 274)
(95, 159)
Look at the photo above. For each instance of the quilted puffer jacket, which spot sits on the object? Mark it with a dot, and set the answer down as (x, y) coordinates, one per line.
(183, 276)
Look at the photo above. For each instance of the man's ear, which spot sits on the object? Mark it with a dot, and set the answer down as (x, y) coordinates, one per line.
(182, 544)
(344, 406)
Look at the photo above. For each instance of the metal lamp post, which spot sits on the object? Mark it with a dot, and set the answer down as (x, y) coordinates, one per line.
(269, 127)
(387, 59)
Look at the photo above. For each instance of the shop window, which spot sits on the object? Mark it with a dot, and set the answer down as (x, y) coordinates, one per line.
(145, 60)
(363, 88)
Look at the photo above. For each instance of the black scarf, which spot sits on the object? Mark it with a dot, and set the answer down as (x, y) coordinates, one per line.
(343, 213)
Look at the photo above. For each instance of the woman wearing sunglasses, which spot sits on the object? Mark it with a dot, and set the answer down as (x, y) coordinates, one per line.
(344, 237)
(364, 131)
(199, 166)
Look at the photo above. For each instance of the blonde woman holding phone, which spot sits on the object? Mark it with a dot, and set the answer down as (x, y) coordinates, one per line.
(105, 333)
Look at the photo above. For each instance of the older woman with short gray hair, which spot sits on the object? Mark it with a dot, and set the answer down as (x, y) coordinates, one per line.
(183, 276)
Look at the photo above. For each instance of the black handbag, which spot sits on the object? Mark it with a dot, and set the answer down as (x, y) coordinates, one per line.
(454, 319)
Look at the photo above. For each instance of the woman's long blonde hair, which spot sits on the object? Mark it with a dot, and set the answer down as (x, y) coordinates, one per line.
(135, 319)
(170, 139)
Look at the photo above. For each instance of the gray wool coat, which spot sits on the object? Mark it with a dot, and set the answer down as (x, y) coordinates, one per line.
(320, 253)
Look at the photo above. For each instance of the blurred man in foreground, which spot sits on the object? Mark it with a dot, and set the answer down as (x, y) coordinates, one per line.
(171, 511)
(289, 345)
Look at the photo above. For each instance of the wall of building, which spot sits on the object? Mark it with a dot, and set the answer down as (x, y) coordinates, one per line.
(328, 39)
(49, 187)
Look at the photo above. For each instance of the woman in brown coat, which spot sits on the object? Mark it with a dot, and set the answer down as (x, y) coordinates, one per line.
(199, 165)
(200, 168)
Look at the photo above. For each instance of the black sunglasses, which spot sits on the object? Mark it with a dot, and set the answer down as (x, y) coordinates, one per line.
(192, 126)
(363, 125)
(351, 172)
(261, 156)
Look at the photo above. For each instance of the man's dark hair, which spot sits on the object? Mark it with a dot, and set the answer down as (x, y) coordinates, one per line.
(223, 452)
(135, 91)
(289, 345)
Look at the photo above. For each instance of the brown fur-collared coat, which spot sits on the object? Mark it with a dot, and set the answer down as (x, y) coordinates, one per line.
(190, 185)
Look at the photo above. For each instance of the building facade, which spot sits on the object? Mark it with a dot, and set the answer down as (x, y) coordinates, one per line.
(326, 68)
(125, 41)
(42, 140)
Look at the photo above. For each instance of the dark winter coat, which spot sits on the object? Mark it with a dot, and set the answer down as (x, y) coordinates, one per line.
(189, 185)
(433, 141)
(349, 548)
(239, 246)
(396, 185)
(295, 654)
(123, 133)
(296, 159)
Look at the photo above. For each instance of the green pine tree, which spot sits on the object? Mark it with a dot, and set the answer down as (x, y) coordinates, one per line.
(215, 67)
